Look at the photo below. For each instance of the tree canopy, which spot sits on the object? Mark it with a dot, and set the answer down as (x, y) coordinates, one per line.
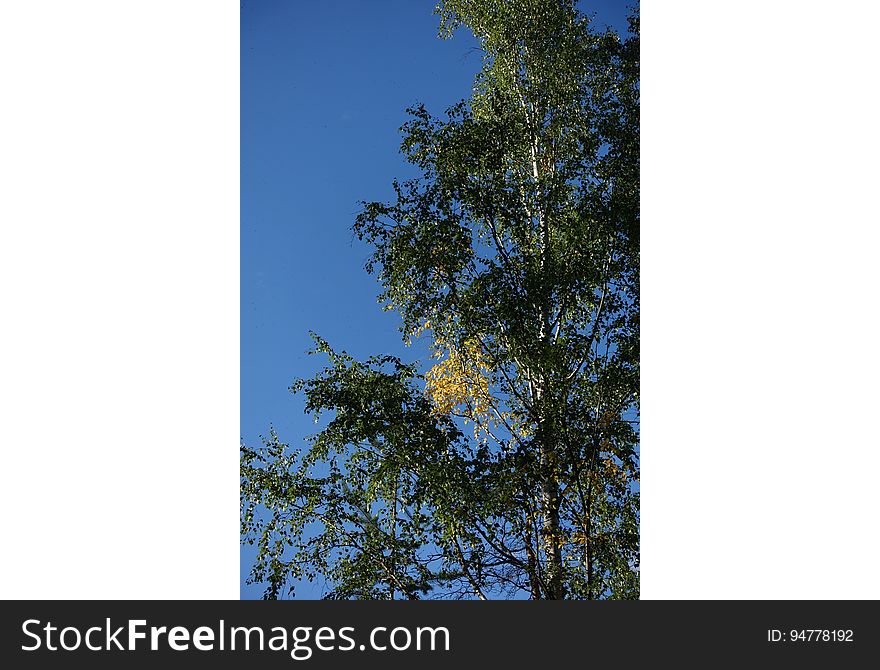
(507, 467)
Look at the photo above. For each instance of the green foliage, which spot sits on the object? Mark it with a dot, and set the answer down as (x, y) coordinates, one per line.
(516, 253)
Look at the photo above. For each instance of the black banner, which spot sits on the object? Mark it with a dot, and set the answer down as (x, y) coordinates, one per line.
(432, 634)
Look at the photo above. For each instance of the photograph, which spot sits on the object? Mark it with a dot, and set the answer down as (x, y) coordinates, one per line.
(441, 206)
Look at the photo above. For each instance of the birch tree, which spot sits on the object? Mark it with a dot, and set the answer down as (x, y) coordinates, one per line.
(507, 465)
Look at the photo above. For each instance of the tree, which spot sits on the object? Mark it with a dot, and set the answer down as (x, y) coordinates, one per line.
(510, 467)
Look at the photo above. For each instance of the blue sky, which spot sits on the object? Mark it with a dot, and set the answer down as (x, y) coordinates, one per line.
(324, 86)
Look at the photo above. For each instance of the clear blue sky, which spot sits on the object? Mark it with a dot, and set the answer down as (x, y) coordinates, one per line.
(324, 86)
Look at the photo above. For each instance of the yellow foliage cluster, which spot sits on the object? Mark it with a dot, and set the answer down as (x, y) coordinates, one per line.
(518, 425)
(579, 537)
(612, 471)
(460, 382)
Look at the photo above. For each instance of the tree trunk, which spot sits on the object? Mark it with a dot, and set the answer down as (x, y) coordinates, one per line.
(551, 531)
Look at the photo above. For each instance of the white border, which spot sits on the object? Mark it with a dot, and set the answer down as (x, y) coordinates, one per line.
(760, 280)
(119, 266)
